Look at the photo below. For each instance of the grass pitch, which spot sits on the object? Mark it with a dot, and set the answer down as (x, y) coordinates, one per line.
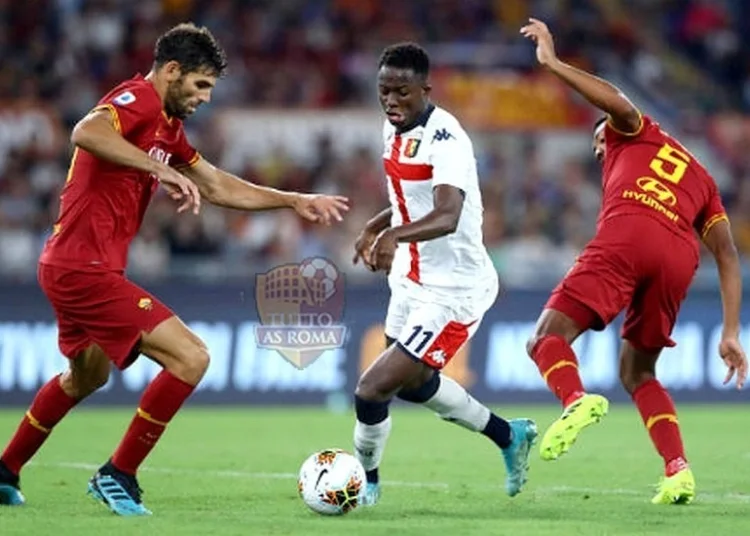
(232, 471)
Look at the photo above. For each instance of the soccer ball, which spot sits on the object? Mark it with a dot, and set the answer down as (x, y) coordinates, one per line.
(331, 481)
(322, 274)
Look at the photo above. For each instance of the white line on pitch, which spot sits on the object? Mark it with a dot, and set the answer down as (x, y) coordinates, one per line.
(549, 490)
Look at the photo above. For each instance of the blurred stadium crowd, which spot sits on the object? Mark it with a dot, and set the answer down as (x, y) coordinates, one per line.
(303, 54)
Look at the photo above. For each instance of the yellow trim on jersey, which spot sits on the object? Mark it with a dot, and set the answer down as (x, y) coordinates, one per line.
(192, 163)
(713, 221)
(628, 134)
(115, 115)
(72, 164)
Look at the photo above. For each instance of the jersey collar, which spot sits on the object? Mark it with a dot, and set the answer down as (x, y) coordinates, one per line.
(421, 121)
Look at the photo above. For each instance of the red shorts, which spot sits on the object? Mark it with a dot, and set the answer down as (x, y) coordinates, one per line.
(640, 266)
(101, 308)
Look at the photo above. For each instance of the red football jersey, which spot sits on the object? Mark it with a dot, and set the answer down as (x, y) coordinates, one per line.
(650, 173)
(102, 204)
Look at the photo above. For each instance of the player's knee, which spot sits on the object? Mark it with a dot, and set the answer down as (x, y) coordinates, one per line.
(192, 366)
(532, 342)
(368, 388)
(79, 386)
(631, 379)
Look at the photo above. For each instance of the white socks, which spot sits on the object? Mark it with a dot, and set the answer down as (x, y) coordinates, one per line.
(453, 403)
(369, 442)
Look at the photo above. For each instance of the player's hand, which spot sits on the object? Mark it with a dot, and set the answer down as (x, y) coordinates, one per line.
(734, 358)
(179, 188)
(362, 247)
(319, 208)
(538, 32)
(383, 250)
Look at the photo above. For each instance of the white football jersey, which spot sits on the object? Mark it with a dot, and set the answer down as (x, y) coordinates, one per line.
(435, 151)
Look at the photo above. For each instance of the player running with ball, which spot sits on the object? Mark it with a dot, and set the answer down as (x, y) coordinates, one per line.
(656, 196)
(441, 277)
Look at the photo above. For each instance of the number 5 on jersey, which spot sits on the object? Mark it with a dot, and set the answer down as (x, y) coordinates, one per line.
(675, 159)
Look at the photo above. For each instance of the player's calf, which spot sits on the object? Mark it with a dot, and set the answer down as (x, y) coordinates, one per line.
(550, 349)
(637, 373)
(87, 372)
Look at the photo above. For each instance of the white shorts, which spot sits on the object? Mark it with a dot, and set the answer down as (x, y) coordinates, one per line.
(431, 325)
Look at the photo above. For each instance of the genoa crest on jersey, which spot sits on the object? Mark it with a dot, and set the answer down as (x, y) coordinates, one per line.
(411, 147)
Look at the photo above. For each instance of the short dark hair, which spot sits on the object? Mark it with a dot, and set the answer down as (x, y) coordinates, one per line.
(194, 48)
(406, 56)
(599, 121)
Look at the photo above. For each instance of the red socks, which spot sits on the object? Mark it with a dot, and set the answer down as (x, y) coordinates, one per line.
(659, 415)
(159, 403)
(559, 367)
(48, 408)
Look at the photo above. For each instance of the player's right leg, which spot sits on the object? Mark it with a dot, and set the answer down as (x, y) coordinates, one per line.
(184, 358)
(88, 371)
(638, 376)
(372, 397)
(550, 348)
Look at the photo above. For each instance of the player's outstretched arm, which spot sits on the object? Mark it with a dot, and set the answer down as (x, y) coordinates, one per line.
(605, 96)
(226, 190)
(720, 243)
(440, 221)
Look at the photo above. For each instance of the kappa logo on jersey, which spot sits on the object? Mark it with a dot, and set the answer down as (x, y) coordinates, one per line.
(411, 148)
(124, 99)
(146, 304)
(442, 134)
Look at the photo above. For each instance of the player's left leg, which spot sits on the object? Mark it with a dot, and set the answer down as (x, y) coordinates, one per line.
(124, 320)
(452, 403)
(184, 358)
(638, 376)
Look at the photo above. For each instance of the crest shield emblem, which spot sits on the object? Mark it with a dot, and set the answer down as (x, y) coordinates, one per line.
(300, 307)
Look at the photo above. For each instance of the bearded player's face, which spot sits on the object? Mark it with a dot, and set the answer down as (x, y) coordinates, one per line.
(187, 93)
(402, 94)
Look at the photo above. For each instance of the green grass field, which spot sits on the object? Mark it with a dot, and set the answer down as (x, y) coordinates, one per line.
(232, 471)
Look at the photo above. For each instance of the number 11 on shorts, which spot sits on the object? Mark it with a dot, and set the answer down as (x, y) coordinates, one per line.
(414, 339)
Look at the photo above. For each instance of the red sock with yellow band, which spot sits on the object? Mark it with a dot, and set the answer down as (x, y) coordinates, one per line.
(660, 417)
(48, 408)
(558, 365)
(160, 402)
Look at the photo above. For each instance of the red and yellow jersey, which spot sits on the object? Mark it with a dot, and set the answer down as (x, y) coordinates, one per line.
(650, 173)
(102, 204)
